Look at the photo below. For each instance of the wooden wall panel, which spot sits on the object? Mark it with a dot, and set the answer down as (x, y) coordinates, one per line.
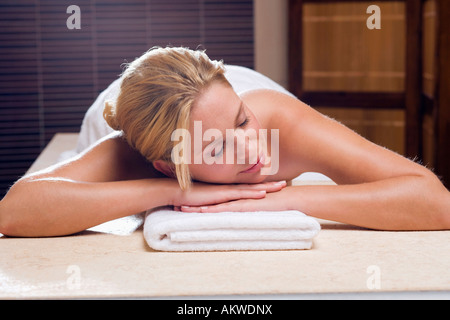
(429, 80)
(341, 54)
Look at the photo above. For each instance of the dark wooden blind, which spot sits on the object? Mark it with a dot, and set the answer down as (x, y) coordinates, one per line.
(50, 75)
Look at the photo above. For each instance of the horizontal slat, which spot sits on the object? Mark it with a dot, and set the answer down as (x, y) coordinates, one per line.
(367, 100)
(19, 141)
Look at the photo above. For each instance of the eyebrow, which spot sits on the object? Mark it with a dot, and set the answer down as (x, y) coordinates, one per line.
(236, 124)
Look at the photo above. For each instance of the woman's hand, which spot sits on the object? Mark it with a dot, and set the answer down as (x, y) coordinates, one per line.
(203, 195)
(274, 201)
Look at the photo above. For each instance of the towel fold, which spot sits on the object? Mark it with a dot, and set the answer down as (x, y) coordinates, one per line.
(169, 230)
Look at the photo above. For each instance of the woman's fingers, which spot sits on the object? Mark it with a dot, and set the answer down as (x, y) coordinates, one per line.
(221, 196)
(237, 205)
(244, 194)
(225, 200)
(255, 191)
(203, 194)
(272, 186)
(222, 207)
(272, 201)
(276, 186)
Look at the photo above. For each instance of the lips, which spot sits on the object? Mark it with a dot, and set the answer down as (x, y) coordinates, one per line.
(257, 166)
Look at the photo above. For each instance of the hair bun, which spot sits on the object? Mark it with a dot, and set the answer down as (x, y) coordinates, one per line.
(109, 114)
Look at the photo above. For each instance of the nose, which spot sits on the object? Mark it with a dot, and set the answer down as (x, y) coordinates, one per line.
(246, 146)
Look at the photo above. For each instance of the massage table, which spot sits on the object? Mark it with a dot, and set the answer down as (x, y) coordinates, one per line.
(345, 262)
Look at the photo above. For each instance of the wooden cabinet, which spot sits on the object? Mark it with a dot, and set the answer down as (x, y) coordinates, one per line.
(390, 84)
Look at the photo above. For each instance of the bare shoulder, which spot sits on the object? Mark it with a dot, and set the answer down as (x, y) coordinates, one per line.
(275, 109)
(265, 96)
(109, 159)
(315, 142)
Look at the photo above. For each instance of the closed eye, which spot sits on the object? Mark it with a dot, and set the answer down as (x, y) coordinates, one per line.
(245, 122)
(242, 125)
(220, 151)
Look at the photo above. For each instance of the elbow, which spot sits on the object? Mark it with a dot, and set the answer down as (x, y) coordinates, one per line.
(444, 209)
(12, 222)
(438, 201)
(6, 223)
(10, 211)
(3, 227)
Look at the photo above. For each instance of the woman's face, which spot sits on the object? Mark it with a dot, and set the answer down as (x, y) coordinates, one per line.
(225, 138)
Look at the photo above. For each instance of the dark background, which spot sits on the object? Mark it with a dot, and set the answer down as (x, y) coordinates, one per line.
(50, 75)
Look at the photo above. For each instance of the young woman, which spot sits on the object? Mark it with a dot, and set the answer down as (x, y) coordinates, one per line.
(169, 90)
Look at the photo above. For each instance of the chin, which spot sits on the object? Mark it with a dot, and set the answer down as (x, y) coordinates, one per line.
(251, 179)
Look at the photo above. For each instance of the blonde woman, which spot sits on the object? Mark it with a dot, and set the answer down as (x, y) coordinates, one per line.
(134, 168)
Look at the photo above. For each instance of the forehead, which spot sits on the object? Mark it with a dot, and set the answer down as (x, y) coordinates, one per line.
(216, 107)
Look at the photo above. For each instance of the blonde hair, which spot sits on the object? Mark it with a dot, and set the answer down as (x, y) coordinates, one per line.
(156, 96)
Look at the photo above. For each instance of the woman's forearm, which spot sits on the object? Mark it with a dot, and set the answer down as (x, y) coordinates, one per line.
(54, 206)
(57, 206)
(410, 202)
(401, 203)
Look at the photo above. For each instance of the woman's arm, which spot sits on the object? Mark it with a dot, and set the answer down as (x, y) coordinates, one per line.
(377, 188)
(399, 203)
(107, 182)
(403, 203)
(58, 206)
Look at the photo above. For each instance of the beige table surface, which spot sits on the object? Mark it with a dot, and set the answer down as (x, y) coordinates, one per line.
(343, 260)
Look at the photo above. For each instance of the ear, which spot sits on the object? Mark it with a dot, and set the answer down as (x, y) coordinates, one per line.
(164, 167)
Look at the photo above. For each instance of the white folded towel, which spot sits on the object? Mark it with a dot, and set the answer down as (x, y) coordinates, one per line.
(169, 230)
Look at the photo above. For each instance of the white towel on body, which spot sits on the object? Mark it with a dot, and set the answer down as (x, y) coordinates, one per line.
(169, 230)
